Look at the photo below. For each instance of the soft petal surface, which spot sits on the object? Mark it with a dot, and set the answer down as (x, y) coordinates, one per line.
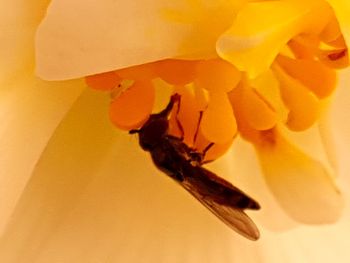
(30, 108)
(317, 150)
(79, 38)
(302, 185)
(96, 206)
(30, 111)
(18, 22)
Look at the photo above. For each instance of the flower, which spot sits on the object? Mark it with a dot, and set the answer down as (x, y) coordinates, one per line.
(84, 201)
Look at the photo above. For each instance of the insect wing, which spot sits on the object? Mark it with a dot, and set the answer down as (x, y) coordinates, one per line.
(235, 218)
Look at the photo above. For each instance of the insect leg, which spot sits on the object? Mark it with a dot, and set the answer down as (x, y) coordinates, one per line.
(207, 148)
(203, 153)
(176, 98)
(197, 129)
(200, 156)
(179, 125)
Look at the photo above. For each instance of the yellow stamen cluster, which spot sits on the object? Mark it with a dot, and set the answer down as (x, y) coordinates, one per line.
(218, 101)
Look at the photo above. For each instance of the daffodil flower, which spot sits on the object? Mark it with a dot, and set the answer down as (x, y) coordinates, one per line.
(263, 71)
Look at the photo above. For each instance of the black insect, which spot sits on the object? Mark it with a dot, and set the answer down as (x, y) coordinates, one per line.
(184, 164)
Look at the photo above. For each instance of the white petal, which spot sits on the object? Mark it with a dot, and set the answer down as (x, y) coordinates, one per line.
(321, 244)
(339, 114)
(79, 38)
(315, 142)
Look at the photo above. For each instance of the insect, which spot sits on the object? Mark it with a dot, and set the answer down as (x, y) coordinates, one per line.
(184, 164)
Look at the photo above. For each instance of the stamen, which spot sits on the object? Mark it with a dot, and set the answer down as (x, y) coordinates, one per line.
(317, 77)
(218, 124)
(302, 103)
(244, 128)
(337, 55)
(256, 111)
(336, 59)
(133, 107)
(215, 151)
(217, 75)
(201, 96)
(302, 48)
(104, 81)
(187, 114)
(176, 72)
(139, 72)
(338, 43)
(332, 31)
(188, 117)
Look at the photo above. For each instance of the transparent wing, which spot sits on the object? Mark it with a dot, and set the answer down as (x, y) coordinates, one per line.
(232, 216)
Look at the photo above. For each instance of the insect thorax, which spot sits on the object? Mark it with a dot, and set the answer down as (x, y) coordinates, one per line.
(153, 132)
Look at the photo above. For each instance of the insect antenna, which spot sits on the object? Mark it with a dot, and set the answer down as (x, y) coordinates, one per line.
(178, 123)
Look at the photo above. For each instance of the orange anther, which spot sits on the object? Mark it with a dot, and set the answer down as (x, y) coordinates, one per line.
(139, 72)
(175, 71)
(257, 112)
(104, 81)
(218, 124)
(317, 77)
(217, 75)
(133, 107)
(302, 103)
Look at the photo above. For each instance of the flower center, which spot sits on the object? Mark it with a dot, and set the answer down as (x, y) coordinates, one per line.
(218, 101)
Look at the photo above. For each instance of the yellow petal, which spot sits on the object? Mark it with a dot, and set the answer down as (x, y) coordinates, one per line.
(342, 10)
(263, 28)
(301, 184)
(79, 38)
